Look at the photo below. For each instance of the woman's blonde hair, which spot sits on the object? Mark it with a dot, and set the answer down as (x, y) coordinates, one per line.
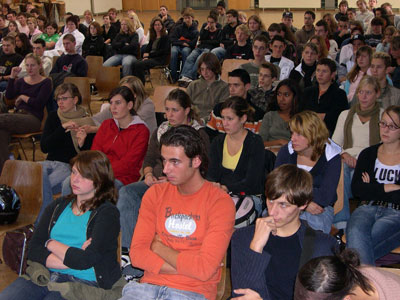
(135, 20)
(38, 61)
(128, 21)
(33, 20)
(369, 80)
(136, 85)
(309, 124)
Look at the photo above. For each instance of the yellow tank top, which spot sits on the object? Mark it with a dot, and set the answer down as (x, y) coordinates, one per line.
(230, 161)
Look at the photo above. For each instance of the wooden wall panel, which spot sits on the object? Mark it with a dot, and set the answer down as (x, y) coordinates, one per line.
(240, 4)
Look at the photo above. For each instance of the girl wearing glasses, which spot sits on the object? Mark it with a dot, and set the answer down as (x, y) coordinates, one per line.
(62, 139)
(357, 129)
(374, 227)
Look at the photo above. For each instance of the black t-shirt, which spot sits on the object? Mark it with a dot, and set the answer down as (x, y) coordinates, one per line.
(239, 52)
(283, 266)
(8, 61)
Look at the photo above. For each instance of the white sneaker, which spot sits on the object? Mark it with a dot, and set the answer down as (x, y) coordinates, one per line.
(185, 79)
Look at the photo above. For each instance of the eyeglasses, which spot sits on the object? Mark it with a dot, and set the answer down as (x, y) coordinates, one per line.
(63, 99)
(390, 127)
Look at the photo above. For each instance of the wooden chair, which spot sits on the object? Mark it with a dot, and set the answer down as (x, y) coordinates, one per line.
(83, 85)
(229, 65)
(31, 136)
(107, 79)
(26, 178)
(94, 65)
(221, 287)
(391, 270)
(340, 194)
(165, 73)
(160, 93)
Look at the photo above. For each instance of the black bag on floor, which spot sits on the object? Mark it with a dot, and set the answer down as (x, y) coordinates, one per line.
(15, 248)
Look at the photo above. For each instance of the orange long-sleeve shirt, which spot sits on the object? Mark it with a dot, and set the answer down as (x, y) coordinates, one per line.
(199, 226)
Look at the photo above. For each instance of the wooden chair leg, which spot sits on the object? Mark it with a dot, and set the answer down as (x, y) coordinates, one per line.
(22, 147)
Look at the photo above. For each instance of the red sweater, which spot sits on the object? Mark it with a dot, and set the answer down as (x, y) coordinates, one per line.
(198, 226)
(124, 148)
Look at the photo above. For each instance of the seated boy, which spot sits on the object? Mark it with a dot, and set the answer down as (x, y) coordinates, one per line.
(267, 256)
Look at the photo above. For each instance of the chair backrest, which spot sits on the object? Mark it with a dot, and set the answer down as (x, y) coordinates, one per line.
(107, 79)
(26, 178)
(83, 85)
(45, 114)
(229, 65)
(340, 194)
(55, 60)
(94, 65)
(222, 283)
(160, 93)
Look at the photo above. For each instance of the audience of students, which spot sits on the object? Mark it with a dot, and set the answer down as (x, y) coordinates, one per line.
(261, 101)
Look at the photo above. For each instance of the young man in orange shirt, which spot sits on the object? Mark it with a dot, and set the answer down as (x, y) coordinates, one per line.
(184, 226)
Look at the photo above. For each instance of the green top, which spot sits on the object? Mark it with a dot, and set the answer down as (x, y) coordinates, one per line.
(47, 39)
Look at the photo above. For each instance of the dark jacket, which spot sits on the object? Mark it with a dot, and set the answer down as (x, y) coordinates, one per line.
(248, 267)
(325, 173)
(58, 143)
(331, 103)
(111, 34)
(210, 40)
(228, 35)
(372, 191)
(93, 45)
(8, 61)
(126, 44)
(162, 51)
(103, 227)
(71, 63)
(168, 23)
(183, 34)
(248, 177)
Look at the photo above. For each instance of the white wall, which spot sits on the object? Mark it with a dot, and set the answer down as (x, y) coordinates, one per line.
(99, 6)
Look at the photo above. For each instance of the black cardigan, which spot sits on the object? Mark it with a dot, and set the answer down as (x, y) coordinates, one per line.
(248, 177)
(58, 143)
(373, 191)
(126, 44)
(162, 51)
(103, 227)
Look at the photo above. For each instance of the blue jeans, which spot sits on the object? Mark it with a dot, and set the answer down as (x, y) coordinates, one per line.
(373, 231)
(125, 60)
(189, 69)
(219, 52)
(66, 186)
(3, 85)
(22, 289)
(129, 200)
(53, 175)
(175, 51)
(139, 291)
(321, 221)
(340, 220)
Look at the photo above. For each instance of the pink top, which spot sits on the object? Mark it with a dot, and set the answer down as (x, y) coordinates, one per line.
(386, 283)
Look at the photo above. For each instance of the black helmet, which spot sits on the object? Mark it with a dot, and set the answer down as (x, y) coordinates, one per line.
(9, 204)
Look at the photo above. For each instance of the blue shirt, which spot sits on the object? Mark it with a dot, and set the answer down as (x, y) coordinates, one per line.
(71, 230)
